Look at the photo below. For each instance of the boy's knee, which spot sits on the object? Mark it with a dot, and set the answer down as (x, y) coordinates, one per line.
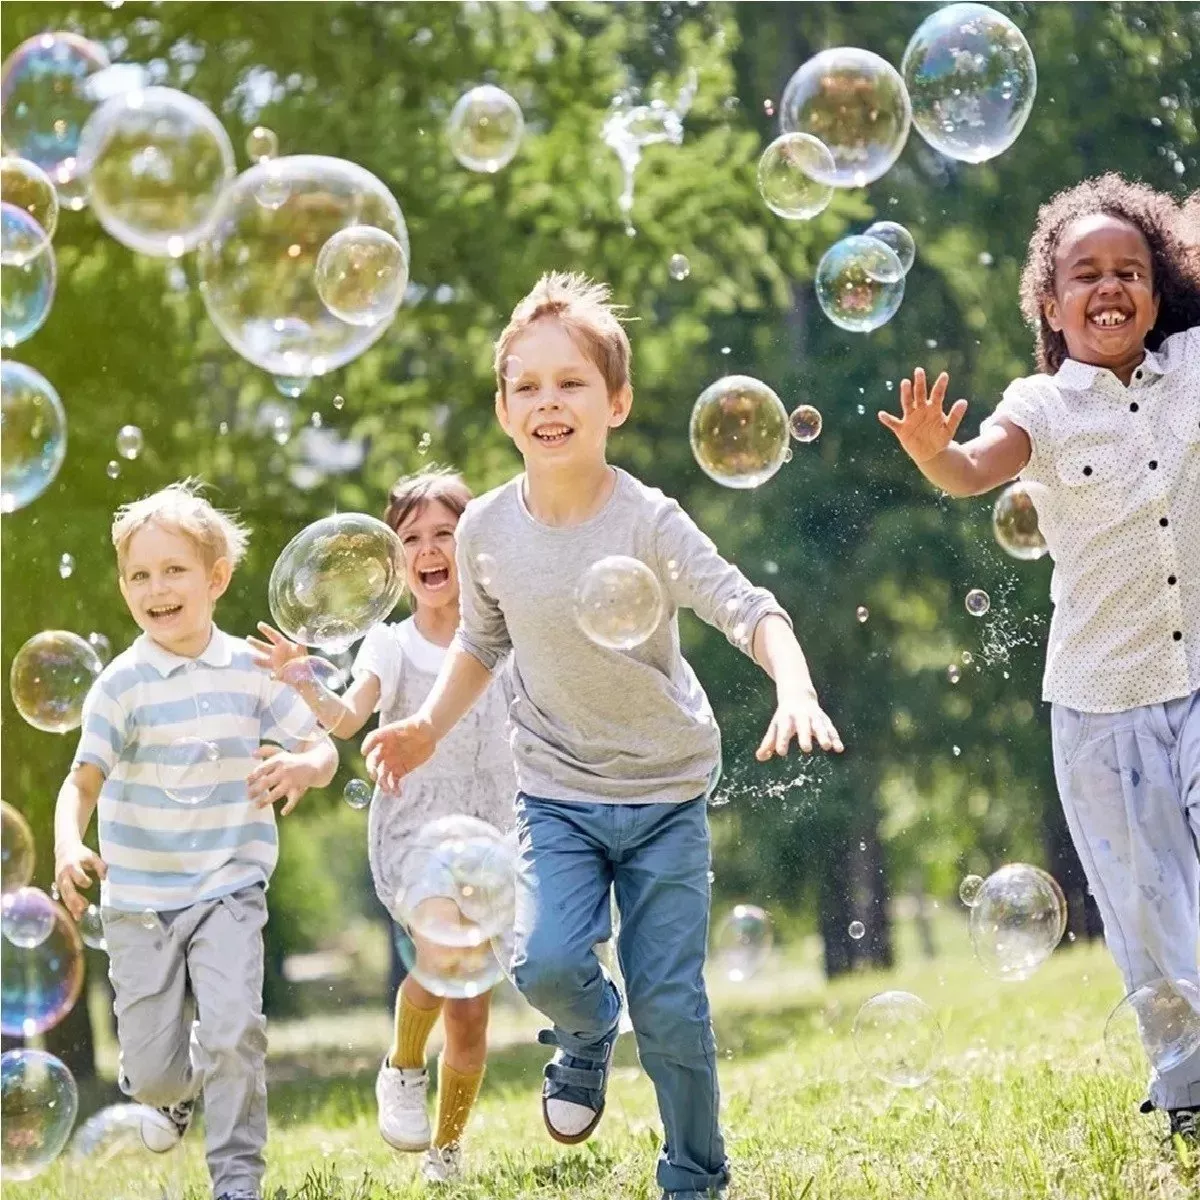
(671, 1024)
(545, 980)
(157, 1085)
(234, 1037)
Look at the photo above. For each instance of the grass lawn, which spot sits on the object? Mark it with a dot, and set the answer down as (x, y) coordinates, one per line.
(1025, 1103)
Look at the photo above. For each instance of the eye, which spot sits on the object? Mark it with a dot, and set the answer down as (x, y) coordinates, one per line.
(572, 383)
(138, 577)
(524, 387)
(174, 569)
(1134, 274)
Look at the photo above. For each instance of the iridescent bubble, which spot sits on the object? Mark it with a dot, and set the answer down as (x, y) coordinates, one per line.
(101, 645)
(22, 239)
(262, 143)
(357, 794)
(485, 129)
(856, 104)
(1015, 523)
(953, 674)
(129, 441)
(45, 99)
(742, 942)
(361, 275)
(893, 235)
(511, 368)
(339, 402)
(113, 469)
(898, 1038)
(739, 431)
(27, 291)
(38, 1105)
(1161, 1020)
(335, 579)
(862, 614)
(26, 186)
(454, 971)
(16, 849)
(40, 983)
(969, 889)
(805, 423)
(258, 265)
(33, 435)
(91, 928)
(316, 679)
(857, 930)
(790, 174)
(188, 770)
(156, 162)
(679, 268)
(977, 602)
(293, 387)
(618, 602)
(114, 1134)
(27, 917)
(859, 283)
(971, 78)
(66, 566)
(1018, 918)
(50, 677)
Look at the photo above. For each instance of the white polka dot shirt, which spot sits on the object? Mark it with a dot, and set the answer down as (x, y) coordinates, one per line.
(1115, 476)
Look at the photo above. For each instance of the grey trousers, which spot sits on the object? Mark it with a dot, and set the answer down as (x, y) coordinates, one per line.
(188, 991)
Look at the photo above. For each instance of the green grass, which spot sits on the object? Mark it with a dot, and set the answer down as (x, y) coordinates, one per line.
(1026, 1103)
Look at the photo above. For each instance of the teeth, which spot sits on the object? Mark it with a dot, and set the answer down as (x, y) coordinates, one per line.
(165, 610)
(552, 431)
(1110, 317)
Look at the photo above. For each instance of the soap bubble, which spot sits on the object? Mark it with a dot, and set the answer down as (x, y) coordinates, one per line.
(189, 770)
(258, 265)
(66, 566)
(50, 678)
(261, 143)
(511, 368)
(485, 568)
(1015, 523)
(38, 1105)
(1161, 1020)
(805, 423)
(361, 275)
(46, 97)
(16, 849)
(953, 674)
(977, 602)
(739, 431)
(679, 268)
(793, 175)
(627, 131)
(113, 469)
(335, 579)
(317, 679)
(454, 971)
(1018, 918)
(485, 129)
(91, 928)
(156, 163)
(742, 942)
(618, 602)
(898, 1038)
(22, 239)
(859, 283)
(293, 387)
(27, 291)
(40, 983)
(969, 889)
(26, 186)
(27, 917)
(862, 614)
(857, 930)
(855, 103)
(893, 235)
(129, 441)
(971, 79)
(357, 794)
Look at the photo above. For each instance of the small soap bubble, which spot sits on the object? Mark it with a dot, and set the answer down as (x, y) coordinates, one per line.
(985, 259)
(1015, 523)
(339, 402)
(24, 185)
(893, 235)
(66, 566)
(113, 470)
(857, 930)
(38, 1105)
(485, 129)
(899, 1039)
(977, 602)
(129, 441)
(956, 751)
(261, 143)
(34, 441)
(679, 268)
(485, 568)
(862, 614)
(805, 423)
(969, 888)
(361, 275)
(424, 442)
(768, 107)
(968, 658)
(189, 770)
(793, 176)
(1017, 920)
(16, 849)
(357, 793)
(739, 431)
(742, 942)
(91, 928)
(292, 387)
(26, 291)
(859, 283)
(953, 674)
(27, 917)
(618, 602)
(511, 368)
(101, 645)
(50, 677)
(41, 978)
(316, 420)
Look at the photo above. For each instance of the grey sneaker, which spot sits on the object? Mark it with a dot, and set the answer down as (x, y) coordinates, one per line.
(163, 1128)
(1185, 1124)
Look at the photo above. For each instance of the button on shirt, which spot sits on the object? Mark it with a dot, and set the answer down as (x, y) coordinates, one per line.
(1115, 475)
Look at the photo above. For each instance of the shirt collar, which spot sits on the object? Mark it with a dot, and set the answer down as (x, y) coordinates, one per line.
(218, 653)
(1081, 377)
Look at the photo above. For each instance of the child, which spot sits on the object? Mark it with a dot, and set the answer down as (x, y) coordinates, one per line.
(471, 774)
(185, 864)
(615, 751)
(1111, 430)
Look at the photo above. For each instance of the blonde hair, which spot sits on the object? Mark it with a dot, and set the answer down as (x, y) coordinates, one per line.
(180, 506)
(411, 493)
(585, 309)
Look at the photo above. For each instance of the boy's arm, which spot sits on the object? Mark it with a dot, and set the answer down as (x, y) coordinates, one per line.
(73, 811)
(797, 710)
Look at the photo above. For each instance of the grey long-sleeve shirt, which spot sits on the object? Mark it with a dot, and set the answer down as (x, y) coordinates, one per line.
(590, 723)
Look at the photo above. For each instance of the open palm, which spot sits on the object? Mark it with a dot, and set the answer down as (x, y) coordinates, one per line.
(923, 429)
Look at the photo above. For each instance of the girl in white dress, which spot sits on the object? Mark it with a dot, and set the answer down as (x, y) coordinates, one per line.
(471, 774)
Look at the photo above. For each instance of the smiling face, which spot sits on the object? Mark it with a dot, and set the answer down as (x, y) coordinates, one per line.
(1104, 302)
(427, 536)
(557, 409)
(171, 591)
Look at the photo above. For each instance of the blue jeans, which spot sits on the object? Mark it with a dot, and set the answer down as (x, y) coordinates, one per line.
(656, 857)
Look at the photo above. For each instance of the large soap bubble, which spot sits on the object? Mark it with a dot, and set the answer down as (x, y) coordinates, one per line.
(33, 435)
(739, 432)
(258, 265)
(1160, 1019)
(898, 1038)
(1018, 917)
(50, 678)
(156, 163)
(26, 291)
(971, 79)
(859, 283)
(41, 982)
(27, 917)
(788, 176)
(26, 186)
(361, 275)
(38, 1104)
(46, 97)
(188, 770)
(485, 129)
(855, 103)
(335, 579)
(1015, 523)
(618, 602)
(16, 849)
(742, 942)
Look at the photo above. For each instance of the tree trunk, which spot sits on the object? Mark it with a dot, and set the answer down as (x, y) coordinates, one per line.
(854, 887)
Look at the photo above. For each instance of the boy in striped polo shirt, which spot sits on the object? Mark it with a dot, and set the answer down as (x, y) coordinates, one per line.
(170, 751)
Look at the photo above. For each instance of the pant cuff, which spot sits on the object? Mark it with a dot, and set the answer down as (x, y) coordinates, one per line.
(679, 1179)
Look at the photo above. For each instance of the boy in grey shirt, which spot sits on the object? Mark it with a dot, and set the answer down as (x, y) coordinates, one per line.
(615, 750)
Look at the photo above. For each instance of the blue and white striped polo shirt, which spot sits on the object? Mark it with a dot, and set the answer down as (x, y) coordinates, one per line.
(163, 854)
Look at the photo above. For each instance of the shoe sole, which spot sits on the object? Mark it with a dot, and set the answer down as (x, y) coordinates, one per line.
(406, 1147)
(570, 1139)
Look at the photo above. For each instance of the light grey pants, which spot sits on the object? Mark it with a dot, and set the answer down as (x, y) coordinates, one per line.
(203, 962)
(1130, 787)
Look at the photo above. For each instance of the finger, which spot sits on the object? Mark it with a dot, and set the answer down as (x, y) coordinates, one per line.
(370, 742)
(891, 422)
(79, 876)
(955, 416)
(938, 395)
(920, 399)
(906, 396)
(66, 890)
(271, 633)
(783, 735)
(766, 746)
(804, 736)
(267, 750)
(293, 798)
(255, 644)
(97, 864)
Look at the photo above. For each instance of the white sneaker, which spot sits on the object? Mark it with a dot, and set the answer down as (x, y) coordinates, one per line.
(400, 1095)
(162, 1129)
(441, 1164)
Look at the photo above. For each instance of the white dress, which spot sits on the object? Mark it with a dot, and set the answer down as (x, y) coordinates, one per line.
(471, 772)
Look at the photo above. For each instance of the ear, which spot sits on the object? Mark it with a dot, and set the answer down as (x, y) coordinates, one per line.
(619, 405)
(1051, 313)
(219, 577)
(502, 412)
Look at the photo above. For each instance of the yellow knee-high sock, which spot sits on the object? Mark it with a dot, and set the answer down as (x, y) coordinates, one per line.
(413, 1026)
(456, 1098)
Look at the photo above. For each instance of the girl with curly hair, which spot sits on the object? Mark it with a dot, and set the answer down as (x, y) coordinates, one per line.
(1107, 435)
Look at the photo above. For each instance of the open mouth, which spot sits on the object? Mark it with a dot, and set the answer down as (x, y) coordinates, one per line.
(1110, 318)
(552, 435)
(434, 579)
(164, 612)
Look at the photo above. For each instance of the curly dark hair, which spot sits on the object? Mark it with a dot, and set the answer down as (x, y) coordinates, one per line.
(1175, 257)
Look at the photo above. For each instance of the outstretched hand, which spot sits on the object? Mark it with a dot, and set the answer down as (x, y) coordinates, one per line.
(800, 717)
(392, 751)
(276, 652)
(923, 429)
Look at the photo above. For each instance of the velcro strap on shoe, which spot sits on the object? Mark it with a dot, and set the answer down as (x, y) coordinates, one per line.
(547, 1037)
(574, 1076)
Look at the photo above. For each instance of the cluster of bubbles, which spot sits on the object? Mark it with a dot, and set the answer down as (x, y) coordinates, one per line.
(739, 432)
(742, 942)
(43, 964)
(618, 602)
